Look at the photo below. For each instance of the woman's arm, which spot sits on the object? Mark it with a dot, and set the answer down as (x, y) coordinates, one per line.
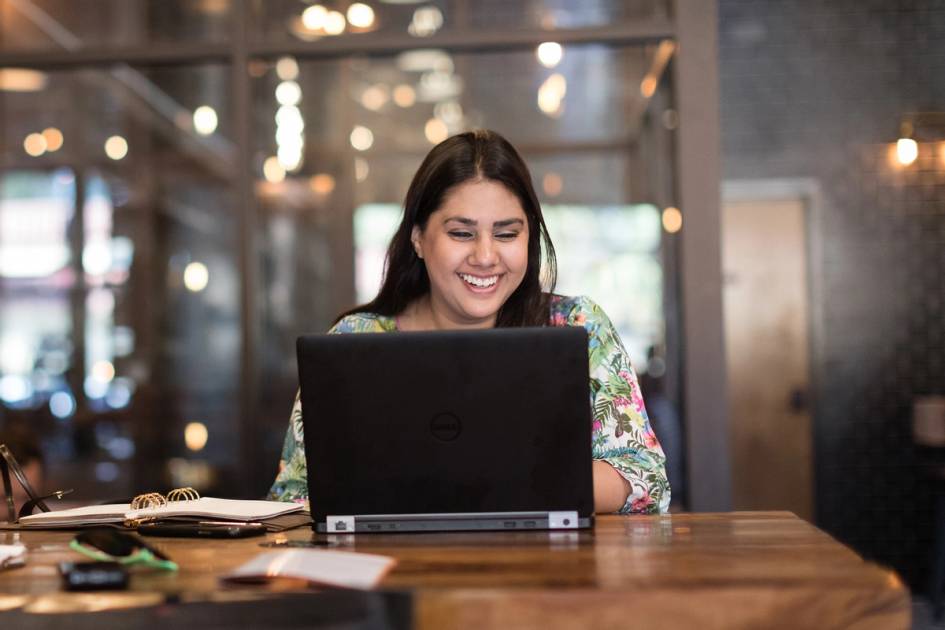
(623, 442)
(610, 488)
(291, 482)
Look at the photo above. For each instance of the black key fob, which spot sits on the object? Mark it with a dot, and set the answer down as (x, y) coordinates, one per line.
(93, 576)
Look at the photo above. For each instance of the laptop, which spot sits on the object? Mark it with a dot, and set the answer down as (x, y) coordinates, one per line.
(447, 430)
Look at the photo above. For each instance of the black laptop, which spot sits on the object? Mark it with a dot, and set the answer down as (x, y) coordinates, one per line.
(447, 431)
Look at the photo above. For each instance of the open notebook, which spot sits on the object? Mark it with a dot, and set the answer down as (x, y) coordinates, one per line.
(202, 508)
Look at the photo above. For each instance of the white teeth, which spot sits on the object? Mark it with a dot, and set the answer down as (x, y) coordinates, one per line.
(479, 282)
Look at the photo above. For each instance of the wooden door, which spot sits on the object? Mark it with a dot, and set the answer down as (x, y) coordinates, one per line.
(766, 338)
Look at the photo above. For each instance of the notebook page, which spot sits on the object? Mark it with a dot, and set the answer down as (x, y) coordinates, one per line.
(90, 514)
(334, 568)
(228, 509)
(12, 555)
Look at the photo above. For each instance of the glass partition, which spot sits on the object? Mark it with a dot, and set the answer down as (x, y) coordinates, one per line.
(40, 25)
(119, 282)
(336, 142)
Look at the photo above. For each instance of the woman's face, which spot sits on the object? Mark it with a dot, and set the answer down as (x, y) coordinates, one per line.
(475, 248)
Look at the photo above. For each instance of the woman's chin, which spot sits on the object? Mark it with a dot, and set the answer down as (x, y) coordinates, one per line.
(480, 314)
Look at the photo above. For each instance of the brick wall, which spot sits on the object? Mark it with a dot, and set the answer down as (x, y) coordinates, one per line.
(816, 89)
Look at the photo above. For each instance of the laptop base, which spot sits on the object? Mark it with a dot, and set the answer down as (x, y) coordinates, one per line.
(480, 521)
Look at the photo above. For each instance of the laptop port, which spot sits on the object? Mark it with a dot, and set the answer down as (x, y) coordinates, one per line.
(509, 524)
(529, 523)
(374, 526)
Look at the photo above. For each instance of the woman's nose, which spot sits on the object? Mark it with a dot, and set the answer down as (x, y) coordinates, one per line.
(484, 253)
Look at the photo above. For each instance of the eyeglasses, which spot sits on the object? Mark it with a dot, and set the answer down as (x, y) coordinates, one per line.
(112, 545)
(8, 464)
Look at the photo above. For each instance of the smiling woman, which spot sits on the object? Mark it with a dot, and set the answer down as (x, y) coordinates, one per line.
(468, 254)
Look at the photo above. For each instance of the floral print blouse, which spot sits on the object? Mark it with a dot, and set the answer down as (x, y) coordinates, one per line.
(621, 435)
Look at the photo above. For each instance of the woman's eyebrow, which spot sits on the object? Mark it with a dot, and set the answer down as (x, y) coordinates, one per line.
(507, 222)
(473, 222)
(463, 220)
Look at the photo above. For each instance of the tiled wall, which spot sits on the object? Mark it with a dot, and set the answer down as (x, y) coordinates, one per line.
(817, 89)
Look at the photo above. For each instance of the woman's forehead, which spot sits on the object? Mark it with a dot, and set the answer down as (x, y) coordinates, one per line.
(482, 201)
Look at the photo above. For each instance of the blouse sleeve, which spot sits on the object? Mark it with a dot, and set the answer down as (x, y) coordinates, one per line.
(291, 482)
(621, 432)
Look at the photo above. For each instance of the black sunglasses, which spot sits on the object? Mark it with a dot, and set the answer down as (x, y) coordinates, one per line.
(112, 545)
(8, 464)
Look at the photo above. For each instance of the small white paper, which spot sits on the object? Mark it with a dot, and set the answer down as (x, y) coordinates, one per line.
(12, 555)
(333, 568)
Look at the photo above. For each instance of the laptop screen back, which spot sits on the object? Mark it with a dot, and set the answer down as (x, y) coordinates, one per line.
(447, 422)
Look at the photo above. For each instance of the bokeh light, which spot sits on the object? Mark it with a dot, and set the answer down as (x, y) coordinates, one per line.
(549, 54)
(196, 276)
(205, 120)
(116, 147)
(672, 219)
(196, 435)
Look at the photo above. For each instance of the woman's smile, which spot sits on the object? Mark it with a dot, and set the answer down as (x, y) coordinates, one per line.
(479, 284)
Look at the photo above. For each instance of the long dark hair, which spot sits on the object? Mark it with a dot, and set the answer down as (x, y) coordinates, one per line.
(471, 156)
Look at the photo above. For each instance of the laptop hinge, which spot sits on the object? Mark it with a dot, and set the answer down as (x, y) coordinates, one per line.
(562, 520)
(340, 524)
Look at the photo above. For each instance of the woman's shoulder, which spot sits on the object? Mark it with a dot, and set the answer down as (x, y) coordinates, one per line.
(363, 322)
(577, 310)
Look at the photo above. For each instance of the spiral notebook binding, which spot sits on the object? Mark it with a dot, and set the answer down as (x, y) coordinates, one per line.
(151, 500)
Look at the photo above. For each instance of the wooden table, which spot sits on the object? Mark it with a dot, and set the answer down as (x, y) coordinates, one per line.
(739, 570)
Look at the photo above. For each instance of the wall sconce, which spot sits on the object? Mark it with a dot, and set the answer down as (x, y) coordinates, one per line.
(907, 149)
(915, 127)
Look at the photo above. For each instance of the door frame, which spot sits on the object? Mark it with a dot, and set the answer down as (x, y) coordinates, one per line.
(808, 191)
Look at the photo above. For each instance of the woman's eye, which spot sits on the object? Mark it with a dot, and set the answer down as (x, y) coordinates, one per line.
(460, 234)
(506, 236)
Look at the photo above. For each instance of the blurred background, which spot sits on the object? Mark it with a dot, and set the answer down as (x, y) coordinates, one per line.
(753, 191)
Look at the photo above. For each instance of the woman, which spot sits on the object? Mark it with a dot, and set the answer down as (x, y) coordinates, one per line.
(468, 254)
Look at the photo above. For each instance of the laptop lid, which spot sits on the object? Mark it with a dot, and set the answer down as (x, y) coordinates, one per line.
(447, 430)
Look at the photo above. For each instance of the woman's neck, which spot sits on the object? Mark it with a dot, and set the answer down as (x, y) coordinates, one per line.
(421, 314)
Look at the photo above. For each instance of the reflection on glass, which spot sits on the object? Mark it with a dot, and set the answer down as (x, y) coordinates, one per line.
(36, 208)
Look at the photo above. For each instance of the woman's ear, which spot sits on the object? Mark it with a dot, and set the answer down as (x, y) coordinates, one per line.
(415, 240)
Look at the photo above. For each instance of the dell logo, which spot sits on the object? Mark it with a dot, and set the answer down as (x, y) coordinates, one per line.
(445, 427)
